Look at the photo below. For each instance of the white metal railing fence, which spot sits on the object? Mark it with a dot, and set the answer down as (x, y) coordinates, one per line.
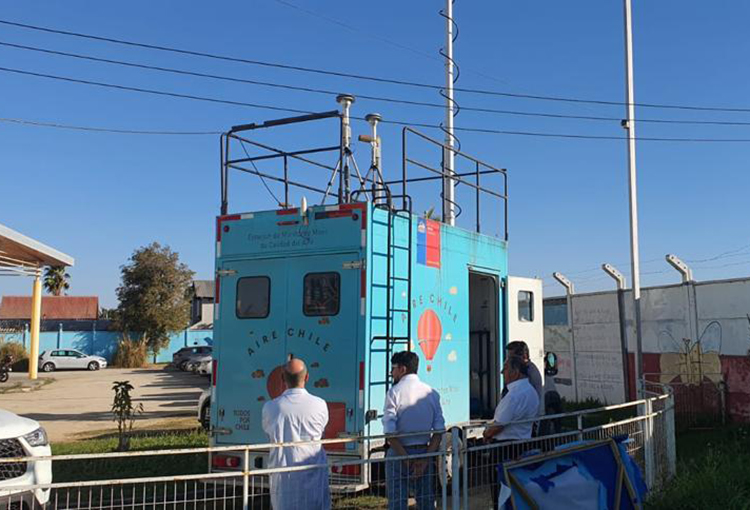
(459, 475)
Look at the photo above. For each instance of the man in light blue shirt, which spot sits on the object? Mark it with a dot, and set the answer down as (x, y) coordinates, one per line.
(411, 406)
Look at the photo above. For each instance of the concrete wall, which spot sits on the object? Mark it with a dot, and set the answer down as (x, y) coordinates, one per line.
(691, 334)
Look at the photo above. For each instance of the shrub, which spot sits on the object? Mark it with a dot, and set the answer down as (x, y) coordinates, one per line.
(125, 413)
(15, 349)
(130, 353)
(19, 353)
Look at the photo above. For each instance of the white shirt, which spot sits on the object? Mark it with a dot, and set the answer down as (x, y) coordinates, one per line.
(412, 406)
(520, 403)
(297, 416)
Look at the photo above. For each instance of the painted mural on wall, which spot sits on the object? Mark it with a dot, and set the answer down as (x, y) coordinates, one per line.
(691, 361)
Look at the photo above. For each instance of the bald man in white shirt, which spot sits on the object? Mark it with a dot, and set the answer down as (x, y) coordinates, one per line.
(411, 406)
(297, 416)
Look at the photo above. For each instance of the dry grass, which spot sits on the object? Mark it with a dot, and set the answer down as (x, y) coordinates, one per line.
(130, 353)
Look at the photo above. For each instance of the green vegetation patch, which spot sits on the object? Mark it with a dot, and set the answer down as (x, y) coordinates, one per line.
(132, 467)
(713, 471)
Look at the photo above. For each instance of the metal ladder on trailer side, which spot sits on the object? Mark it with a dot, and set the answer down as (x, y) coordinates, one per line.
(387, 344)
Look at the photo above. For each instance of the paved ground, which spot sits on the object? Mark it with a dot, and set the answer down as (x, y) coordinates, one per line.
(78, 403)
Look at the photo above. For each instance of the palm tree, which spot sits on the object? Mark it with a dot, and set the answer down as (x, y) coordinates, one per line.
(56, 280)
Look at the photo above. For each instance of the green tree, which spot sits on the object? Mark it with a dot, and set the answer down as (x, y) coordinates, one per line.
(154, 295)
(56, 280)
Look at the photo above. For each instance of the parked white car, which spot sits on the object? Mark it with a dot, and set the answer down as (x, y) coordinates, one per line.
(206, 367)
(196, 362)
(23, 437)
(58, 359)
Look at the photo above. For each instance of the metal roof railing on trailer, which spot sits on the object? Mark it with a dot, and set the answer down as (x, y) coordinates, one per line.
(371, 186)
(480, 168)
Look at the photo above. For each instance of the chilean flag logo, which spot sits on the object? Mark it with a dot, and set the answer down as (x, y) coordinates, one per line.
(428, 242)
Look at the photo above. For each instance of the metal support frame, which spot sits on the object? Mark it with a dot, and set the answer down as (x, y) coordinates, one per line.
(455, 469)
(620, 280)
(681, 267)
(481, 168)
(346, 101)
(569, 291)
(449, 155)
(272, 153)
(345, 168)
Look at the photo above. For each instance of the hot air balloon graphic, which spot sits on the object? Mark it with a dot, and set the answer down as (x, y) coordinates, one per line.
(429, 333)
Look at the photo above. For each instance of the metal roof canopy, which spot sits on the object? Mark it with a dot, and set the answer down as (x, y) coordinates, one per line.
(23, 256)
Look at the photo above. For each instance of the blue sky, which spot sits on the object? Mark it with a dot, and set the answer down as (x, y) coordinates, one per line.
(99, 196)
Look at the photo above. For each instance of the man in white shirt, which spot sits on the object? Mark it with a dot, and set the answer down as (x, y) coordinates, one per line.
(297, 416)
(411, 406)
(520, 403)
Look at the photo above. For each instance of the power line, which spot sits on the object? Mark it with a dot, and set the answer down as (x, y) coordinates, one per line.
(106, 130)
(293, 87)
(395, 122)
(358, 31)
(731, 253)
(377, 79)
(152, 91)
(186, 72)
(369, 34)
(737, 252)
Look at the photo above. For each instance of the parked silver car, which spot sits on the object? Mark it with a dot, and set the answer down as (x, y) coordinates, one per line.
(58, 359)
(181, 358)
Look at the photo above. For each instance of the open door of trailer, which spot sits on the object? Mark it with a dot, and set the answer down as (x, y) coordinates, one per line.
(484, 344)
(525, 321)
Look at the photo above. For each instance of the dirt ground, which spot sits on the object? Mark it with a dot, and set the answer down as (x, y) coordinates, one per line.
(76, 404)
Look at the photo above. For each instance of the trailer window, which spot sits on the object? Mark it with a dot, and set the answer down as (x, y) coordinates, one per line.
(525, 306)
(322, 293)
(253, 296)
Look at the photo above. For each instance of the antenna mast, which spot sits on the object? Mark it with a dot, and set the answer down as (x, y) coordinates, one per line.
(449, 215)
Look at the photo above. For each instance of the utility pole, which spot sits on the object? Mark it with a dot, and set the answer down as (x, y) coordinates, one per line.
(629, 125)
(449, 199)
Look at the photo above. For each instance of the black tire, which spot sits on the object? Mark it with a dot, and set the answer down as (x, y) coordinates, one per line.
(4, 376)
(183, 365)
(206, 415)
(48, 367)
(93, 366)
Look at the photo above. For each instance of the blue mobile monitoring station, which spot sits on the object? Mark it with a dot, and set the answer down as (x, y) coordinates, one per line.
(345, 285)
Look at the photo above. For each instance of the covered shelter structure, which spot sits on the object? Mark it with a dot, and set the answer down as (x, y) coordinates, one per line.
(23, 256)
